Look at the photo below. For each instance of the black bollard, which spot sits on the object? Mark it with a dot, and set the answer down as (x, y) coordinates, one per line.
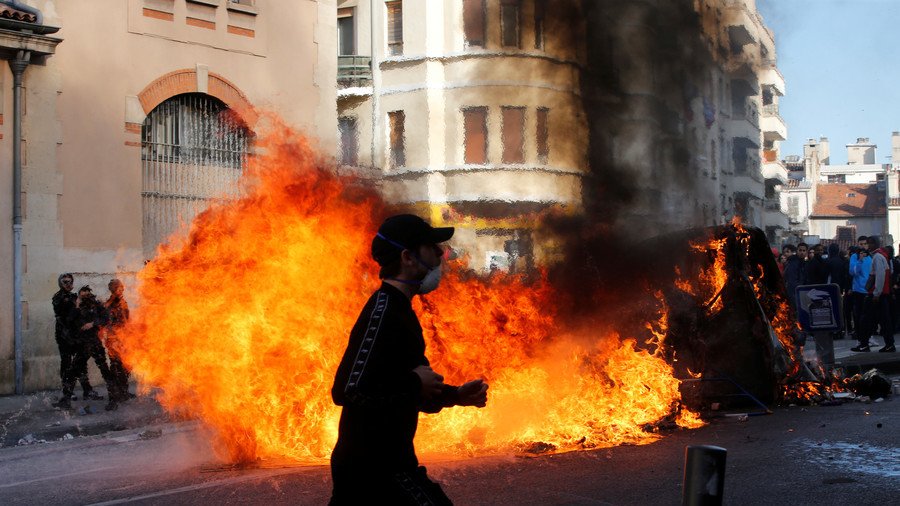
(704, 476)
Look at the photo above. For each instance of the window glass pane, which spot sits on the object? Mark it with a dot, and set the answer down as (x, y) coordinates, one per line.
(395, 28)
(539, 9)
(509, 23)
(543, 134)
(345, 36)
(475, 135)
(349, 140)
(473, 22)
(397, 120)
(513, 133)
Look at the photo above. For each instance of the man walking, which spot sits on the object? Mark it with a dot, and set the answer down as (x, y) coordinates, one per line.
(384, 379)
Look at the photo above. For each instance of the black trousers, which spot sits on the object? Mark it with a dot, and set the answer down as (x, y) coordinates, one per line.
(859, 304)
(877, 313)
(84, 351)
(406, 488)
(67, 353)
(118, 389)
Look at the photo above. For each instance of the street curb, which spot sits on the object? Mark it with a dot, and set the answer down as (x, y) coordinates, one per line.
(13, 453)
(863, 362)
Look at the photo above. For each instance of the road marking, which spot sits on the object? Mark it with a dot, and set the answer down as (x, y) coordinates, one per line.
(199, 486)
(55, 477)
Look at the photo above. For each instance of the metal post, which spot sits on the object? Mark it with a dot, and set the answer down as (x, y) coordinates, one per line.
(704, 476)
(18, 66)
(825, 349)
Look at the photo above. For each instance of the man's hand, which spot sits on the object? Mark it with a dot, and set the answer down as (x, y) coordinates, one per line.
(473, 393)
(87, 326)
(431, 381)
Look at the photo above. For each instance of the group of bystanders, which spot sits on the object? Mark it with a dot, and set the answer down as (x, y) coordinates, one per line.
(868, 275)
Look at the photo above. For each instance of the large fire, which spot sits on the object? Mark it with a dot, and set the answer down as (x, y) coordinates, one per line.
(242, 321)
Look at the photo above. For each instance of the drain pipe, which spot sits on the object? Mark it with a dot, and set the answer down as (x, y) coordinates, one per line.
(373, 64)
(18, 66)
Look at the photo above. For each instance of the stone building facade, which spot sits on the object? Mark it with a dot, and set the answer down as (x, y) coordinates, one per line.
(653, 115)
(118, 106)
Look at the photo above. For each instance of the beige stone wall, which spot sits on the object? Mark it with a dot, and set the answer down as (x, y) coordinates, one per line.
(7, 371)
(82, 173)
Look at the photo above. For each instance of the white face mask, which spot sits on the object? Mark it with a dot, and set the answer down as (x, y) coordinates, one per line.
(431, 280)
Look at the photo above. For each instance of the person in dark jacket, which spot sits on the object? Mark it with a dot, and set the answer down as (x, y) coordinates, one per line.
(817, 266)
(117, 308)
(63, 305)
(85, 322)
(384, 378)
(794, 274)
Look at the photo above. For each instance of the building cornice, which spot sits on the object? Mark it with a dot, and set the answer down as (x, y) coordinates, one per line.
(413, 172)
(392, 61)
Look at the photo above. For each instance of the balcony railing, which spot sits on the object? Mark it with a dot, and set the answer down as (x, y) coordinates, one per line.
(354, 70)
(770, 110)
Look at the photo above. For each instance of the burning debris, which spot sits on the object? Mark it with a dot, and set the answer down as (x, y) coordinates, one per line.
(241, 324)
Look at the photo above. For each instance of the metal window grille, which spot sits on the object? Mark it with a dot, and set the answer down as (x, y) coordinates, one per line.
(193, 152)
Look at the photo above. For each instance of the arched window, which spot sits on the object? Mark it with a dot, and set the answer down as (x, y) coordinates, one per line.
(193, 151)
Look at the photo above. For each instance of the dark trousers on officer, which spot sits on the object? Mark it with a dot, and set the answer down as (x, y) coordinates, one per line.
(876, 313)
(84, 351)
(67, 352)
(118, 389)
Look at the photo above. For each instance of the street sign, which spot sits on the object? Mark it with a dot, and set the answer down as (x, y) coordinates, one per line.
(819, 307)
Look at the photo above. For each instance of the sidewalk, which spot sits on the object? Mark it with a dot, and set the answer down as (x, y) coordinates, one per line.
(852, 362)
(32, 419)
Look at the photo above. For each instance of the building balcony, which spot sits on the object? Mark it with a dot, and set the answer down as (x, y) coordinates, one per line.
(770, 76)
(772, 124)
(748, 184)
(354, 71)
(741, 24)
(775, 170)
(744, 130)
(774, 216)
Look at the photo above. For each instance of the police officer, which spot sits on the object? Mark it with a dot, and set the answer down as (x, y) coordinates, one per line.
(63, 305)
(117, 309)
(85, 322)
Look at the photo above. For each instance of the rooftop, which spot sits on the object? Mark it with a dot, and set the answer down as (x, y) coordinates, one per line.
(849, 200)
(12, 13)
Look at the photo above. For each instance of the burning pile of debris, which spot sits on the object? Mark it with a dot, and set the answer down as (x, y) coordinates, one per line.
(733, 333)
(241, 324)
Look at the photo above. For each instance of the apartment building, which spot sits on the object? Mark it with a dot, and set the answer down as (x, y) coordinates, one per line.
(116, 98)
(470, 114)
(485, 113)
(842, 200)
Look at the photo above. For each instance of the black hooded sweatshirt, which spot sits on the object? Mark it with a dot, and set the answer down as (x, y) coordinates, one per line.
(379, 392)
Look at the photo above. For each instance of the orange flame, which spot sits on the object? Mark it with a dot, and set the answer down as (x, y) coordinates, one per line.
(242, 323)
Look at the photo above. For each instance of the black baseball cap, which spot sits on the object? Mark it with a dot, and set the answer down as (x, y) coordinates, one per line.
(405, 231)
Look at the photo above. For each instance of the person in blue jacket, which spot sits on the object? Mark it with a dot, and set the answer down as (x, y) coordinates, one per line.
(860, 267)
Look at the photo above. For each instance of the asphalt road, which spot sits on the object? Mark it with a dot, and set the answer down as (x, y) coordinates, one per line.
(847, 454)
